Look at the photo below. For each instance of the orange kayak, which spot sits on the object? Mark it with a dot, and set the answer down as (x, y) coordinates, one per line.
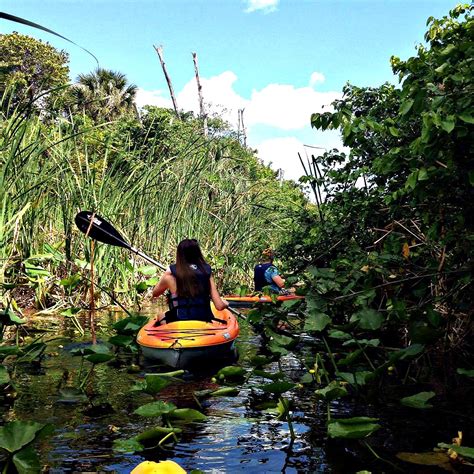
(183, 344)
(235, 300)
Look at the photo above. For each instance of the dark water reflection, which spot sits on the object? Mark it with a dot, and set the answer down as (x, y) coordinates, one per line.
(236, 437)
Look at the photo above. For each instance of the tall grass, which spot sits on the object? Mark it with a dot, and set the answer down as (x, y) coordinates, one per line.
(50, 171)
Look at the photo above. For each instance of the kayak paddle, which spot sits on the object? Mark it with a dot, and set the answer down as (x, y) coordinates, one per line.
(99, 229)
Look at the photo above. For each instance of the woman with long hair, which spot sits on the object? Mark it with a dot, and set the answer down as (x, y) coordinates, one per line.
(190, 284)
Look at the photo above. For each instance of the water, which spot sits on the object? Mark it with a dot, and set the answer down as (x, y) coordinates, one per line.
(237, 436)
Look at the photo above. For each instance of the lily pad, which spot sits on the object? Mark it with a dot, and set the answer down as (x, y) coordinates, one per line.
(157, 408)
(277, 387)
(466, 372)
(353, 428)
(230, 372)
(18, 434)
(131, 445)
(419, 400)
(333, 391)
(27, 461)
(156, 432)
(427, 459)
(463, 451)
(187, 415)
(368, 319)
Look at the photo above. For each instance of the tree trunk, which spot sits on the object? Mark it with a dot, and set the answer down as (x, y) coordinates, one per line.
(202, 112)
(159, 51)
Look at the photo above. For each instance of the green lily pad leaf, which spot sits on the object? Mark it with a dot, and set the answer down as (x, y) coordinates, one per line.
(225, 392)
(157, 432)
(333, 391)
(418, 400)
(131, 445)
(336, 334)
(466, 372)
(187, 415)
(130, 325)
(407, 353)
(276, 349)
(141, 287)
(353, 428)
(368, 319)
(230, 372)
(71, 281)
(17, 434)
(463, 451)
(362, 342)
(70, 312)
(26, 461)
(155, 383)
(359, 378)
(427, 459)
(121, 340)
(316, 321)
(260, 361)
(277, 387)
(99, 358)
(33, 270)
(4, 375)
(268, 375)
(147, 270)
(157, 408)
(283, 408)
(280, 339)
(351, 357)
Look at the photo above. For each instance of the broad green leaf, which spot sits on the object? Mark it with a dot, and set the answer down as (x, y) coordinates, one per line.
(407, 353)
(155, 383)
(268, 375)
(463, 451)
(333, 391)
(277, 387)
(156, 432)
(352, 428)
(316, 321)
(157, 408)
(147, 270)
(467, 118)
(9, 318)
(471, 178)
(225, 392)
(17, 434)
(418, 400)
(394, 131)
(131, 445)
(26, 461)
(99, 358)
(230, 372)
(359, 378)
(448, 124)
(411, 180)
(336, 334)
(368, 319)
(406, 106)
(422, 174)
(187, 415)
(281, 339)
(121, 340)
(260, 361)
(466, 372)
(70, 312)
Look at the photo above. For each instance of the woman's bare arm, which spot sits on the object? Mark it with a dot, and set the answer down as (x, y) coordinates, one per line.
(164, 284)
(219, 303)
(279, 281)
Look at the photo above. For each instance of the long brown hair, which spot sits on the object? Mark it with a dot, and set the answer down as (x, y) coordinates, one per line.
(189, 253)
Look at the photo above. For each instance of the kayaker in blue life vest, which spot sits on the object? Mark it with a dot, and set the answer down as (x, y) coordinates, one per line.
(266, 274)
(190, 284)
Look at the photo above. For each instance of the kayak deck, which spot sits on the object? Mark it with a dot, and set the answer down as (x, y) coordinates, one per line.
(249, 300)
(182, 343)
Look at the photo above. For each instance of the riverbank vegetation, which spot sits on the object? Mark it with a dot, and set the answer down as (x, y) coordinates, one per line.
(384, 258)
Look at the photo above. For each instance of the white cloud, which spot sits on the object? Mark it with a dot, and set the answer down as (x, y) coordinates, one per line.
(155, 97)
(316, 77)
(281, 106)
(286, 107)
(267, 6)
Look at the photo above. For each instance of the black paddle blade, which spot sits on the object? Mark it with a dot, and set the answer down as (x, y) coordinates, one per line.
(100, 229)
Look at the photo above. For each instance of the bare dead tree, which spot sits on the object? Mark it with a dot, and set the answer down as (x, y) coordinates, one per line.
(202, 111)
(159, 51)
(241, 127)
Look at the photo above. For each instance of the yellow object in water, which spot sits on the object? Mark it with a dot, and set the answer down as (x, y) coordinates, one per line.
(162, 467)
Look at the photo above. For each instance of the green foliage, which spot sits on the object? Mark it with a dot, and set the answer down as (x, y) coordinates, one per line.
(31, 68)
(387, 253)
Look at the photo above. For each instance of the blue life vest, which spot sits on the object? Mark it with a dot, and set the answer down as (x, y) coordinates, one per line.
(259, 276)
(196, 308)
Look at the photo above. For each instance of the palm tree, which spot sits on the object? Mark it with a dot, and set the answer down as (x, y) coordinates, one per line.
(104, 95)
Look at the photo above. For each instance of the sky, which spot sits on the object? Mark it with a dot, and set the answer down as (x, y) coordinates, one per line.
(279, 60)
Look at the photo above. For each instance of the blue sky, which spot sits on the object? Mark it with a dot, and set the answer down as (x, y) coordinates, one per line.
(281, 60)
